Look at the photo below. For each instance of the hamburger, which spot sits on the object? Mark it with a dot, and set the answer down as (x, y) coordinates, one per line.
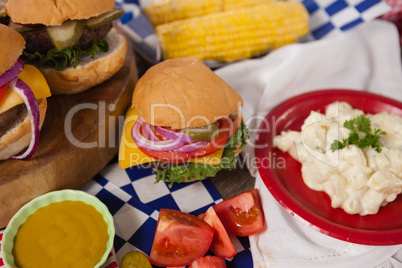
(23, 103)
(184, 122)
(74, 43)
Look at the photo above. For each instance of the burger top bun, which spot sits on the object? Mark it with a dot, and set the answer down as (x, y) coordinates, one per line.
(50, 12)
(183, 92)
(12, 44)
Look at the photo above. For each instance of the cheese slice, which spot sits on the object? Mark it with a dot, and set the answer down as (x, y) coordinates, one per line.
(130, 155)
(34, 79)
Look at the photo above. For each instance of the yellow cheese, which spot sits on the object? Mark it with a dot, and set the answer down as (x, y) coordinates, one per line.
(130, 155)
(34, 79)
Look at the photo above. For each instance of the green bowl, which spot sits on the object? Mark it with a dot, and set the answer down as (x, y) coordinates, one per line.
(44, 200)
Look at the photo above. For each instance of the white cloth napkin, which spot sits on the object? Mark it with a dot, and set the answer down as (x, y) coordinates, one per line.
(365, 58)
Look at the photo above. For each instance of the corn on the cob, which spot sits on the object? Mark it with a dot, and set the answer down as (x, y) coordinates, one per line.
(235, 34)
(235, 4)
(164, 11)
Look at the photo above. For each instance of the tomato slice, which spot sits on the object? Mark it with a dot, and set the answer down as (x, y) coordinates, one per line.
(226, 129)
(208, 262)
(242, 215)
(2, 91)
(180, 238)
(221, 244)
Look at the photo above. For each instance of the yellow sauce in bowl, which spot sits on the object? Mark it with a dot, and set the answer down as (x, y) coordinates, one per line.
(61, 234)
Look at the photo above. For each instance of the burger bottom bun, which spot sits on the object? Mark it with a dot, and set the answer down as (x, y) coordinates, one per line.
(90, 71)
(18, 138)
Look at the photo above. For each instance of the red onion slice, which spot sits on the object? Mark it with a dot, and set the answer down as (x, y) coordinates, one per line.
(27, 95)
(174, 135)
(155, 145)
(191, 146)
(149, 132)
(12, 72)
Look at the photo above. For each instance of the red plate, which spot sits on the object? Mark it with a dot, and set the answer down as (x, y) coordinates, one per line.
(282, 174)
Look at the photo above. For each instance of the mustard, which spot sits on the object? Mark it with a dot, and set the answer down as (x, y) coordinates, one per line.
(62, 234)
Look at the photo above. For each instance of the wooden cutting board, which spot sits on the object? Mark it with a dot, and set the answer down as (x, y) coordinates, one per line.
(79, 137)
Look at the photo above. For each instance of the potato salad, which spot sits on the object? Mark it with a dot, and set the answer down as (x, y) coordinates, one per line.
(355, 158)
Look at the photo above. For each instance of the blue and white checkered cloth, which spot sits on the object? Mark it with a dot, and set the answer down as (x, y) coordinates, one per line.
(327, 18)
(330, 17)
(134, 200)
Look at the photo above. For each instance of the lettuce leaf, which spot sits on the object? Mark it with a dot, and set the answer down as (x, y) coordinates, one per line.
(60, 59)
(198, 171)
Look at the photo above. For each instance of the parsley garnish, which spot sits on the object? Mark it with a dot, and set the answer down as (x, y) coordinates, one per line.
(356, 125)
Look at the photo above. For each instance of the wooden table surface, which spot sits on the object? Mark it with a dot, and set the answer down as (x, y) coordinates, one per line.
(232, 182)
(58, 162)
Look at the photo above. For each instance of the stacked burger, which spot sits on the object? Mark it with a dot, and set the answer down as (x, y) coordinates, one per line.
(73, 43)
(185, 122)
(23, 93)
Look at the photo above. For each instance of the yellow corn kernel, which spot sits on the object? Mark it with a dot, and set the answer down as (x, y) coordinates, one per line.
(164, 11)
(235, 4)
(235, 34)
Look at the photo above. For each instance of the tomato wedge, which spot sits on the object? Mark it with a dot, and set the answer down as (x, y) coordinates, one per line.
(2, 91)
(226, 129)
(221, 244)
(208, 262)
(242, 215)
(180, 238)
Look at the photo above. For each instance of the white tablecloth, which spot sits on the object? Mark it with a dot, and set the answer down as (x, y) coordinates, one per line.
(365, 58)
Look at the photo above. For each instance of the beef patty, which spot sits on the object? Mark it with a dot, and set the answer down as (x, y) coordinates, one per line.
(12, 118)
(38, 40)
